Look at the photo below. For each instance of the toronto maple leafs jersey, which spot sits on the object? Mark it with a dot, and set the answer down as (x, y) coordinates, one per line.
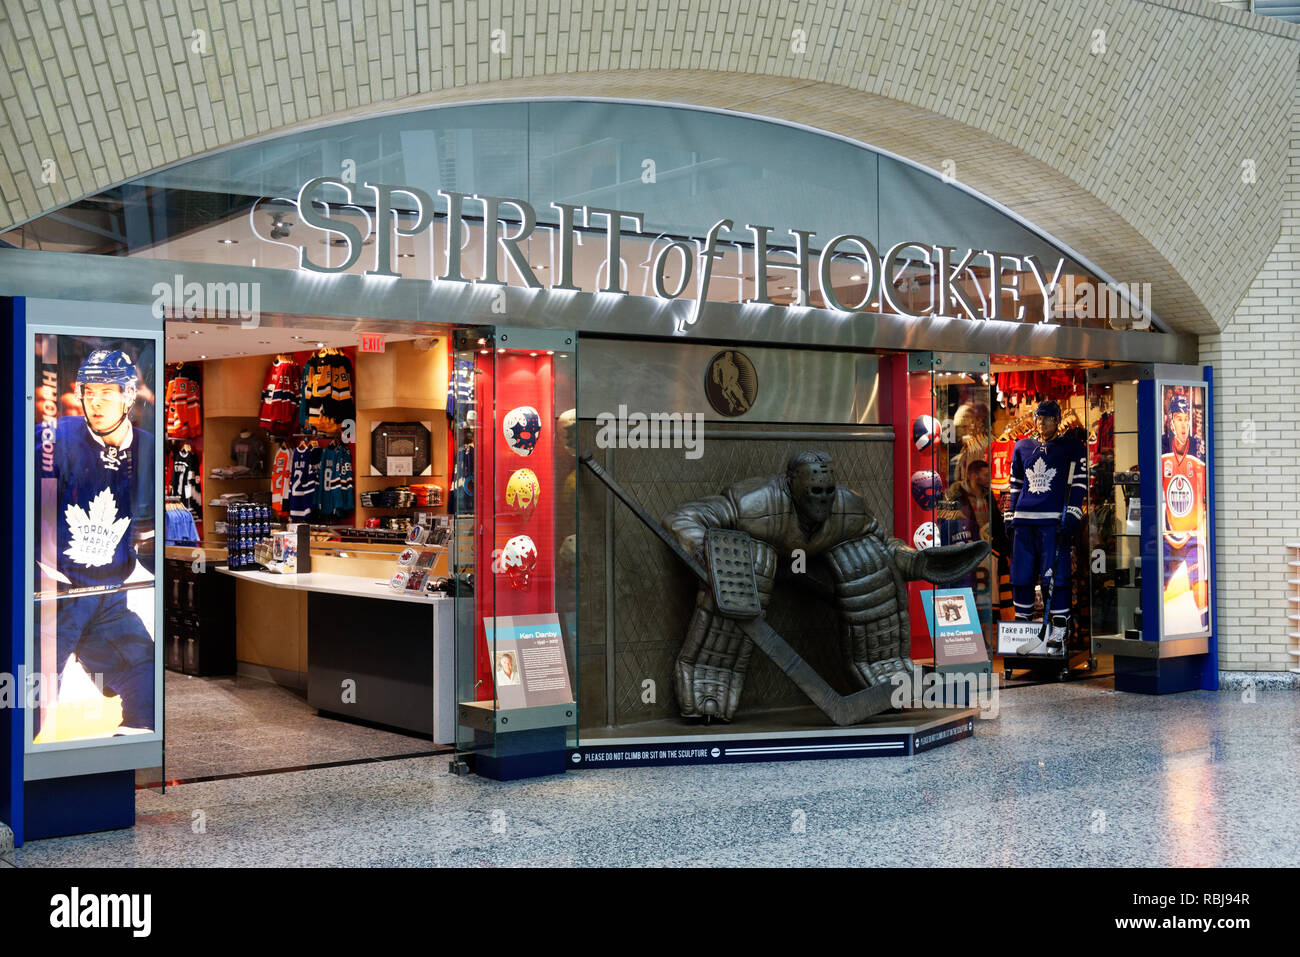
(1048, 480)
(304, 477)
(104, 493)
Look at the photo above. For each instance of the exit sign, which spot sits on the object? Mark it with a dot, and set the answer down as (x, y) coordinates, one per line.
(371, 342)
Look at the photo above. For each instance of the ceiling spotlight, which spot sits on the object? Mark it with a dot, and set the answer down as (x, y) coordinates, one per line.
(406, 255)
(787, 288)
(320, 345)
(533, 354)
(499, 351)
(228, 242)
(855, 277)
(202, 357)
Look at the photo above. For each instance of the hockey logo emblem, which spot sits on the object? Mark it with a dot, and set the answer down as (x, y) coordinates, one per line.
(95, 534)
(1179, 496)
(109, 456)
(1040, 477)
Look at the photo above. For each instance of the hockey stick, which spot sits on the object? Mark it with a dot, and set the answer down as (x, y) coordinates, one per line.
(841, 709)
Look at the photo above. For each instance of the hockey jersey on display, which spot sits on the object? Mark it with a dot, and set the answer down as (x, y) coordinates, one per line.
(280, 397)
(1182, 483)
(460, 389)
(182, 413)
(1048, 480)
(334, 495)
(249, 451)
(304, 478)
(183, 477)
(104, 493)
(280, 473)
(327, 400)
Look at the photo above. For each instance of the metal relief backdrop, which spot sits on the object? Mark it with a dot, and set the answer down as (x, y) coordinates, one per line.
(651, 596)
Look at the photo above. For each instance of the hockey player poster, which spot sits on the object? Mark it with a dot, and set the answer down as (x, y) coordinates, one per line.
(1184, 522)
(94, 616)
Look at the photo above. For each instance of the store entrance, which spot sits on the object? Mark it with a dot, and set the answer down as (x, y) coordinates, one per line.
(307, 465)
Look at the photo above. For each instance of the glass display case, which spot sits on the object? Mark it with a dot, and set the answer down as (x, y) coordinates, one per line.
(945, 497)
(1114, 508)
(512, 409)
(1151, 528)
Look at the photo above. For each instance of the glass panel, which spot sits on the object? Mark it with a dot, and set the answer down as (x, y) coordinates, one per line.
(1115, 517)
(94, 534)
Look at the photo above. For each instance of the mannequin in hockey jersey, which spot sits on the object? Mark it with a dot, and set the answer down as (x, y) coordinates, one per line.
(1048, 482)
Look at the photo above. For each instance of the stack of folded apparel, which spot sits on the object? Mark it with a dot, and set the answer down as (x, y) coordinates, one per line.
(426, 495)
(232, 472)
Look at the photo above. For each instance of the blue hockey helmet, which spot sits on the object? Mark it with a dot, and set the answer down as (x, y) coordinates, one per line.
(1179, 404)
(1046, 408)
(109, 367)
(927, 486)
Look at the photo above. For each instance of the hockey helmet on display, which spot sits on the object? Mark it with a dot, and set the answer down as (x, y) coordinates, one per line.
(1047, 408)
(522, 491)
(522, 427)
(926, 488)
(925, 536)
(924, 431)
(1179, 404)
(518, 560)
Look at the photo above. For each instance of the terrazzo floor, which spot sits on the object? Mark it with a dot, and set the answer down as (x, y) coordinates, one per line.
(1067, 774)
(241, 725)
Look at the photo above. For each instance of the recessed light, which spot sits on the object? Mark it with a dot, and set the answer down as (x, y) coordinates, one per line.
(550, 352)
(855, 277)
(484, 352)
(787, 288)
(228, 242)
(406, 255)
(533, 354)
(499, 351)
(482, 342)
(320, 345)
(539, 265)
(202, 357)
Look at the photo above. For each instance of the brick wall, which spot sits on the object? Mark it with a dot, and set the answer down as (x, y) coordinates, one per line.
(1128, 113)
(1256, 364)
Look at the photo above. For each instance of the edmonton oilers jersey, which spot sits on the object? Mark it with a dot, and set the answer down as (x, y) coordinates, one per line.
(1183, 480)
(105, 493)
(1048, 479)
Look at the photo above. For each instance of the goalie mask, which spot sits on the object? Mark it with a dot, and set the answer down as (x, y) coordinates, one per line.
(522, 491)
(522, 427)
(518, 561)
(106, 389)
(926, 488)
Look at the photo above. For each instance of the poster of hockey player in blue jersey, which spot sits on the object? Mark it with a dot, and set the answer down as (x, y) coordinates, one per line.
(94, 615)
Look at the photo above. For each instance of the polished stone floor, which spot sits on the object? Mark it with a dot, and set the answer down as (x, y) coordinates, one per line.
(236, 725)
(1068, 774)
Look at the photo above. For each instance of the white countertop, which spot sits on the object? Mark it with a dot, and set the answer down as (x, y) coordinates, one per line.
(333, 584)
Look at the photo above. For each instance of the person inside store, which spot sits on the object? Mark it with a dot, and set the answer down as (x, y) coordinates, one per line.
(1049, 479)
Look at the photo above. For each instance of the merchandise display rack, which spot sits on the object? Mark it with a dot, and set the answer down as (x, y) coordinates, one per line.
(1293, 616)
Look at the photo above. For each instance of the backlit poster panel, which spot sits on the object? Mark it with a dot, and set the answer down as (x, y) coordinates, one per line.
(92, 646)
(1184, 517)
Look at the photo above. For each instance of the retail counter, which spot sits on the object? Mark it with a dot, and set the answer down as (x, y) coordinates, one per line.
(367, 652)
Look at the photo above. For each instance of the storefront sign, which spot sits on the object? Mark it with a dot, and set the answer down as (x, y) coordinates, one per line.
(955, 291)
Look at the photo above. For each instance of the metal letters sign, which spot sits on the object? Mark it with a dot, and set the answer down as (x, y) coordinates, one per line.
(949, 272)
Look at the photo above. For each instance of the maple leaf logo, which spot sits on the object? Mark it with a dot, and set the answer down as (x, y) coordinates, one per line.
(94, 535)
(1040, 477)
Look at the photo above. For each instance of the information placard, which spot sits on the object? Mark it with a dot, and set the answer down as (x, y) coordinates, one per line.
(529, 661)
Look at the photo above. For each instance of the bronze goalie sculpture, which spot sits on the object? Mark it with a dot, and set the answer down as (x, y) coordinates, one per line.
(736, 542)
